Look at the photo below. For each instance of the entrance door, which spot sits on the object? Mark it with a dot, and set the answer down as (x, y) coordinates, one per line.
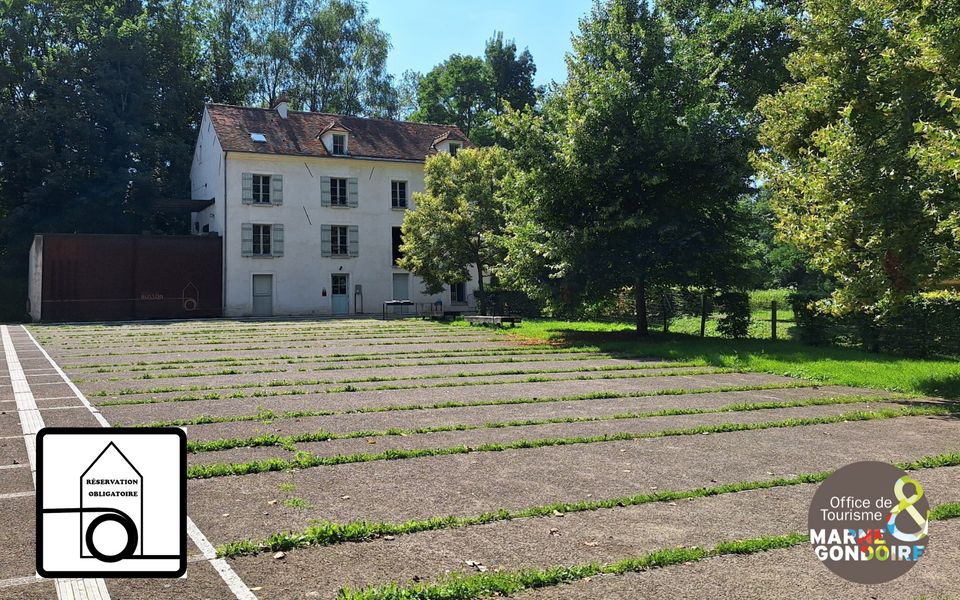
(401, 290)
(263, 295)
(338, 287)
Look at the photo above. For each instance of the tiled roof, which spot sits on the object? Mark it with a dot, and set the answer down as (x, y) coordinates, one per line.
(297, 134)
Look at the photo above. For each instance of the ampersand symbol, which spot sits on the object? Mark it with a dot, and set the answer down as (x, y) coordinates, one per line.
(906, 504)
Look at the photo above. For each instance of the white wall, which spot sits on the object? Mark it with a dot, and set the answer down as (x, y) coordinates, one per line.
(206, 177)
(301, 274)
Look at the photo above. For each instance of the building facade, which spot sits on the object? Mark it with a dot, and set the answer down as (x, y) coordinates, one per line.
(309, 208)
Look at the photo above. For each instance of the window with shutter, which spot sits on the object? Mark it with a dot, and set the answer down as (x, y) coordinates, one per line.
(246, 239)
(325, 243)
(353, 192)
(325, 191)
(339, 245)
(247, 188)
(354, 237)
(277, 189)
(278, 240)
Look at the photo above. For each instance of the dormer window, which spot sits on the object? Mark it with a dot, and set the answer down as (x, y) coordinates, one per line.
(339, 143)
(454, 147)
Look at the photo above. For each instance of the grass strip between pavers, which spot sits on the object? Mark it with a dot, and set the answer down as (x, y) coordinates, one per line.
(328, 534)
(306, 460)
(464, 587)
(257, 348)
(270, 415)
(376, 378)
(355, 357)
(421, 362)
(351, 388)
(324, 436)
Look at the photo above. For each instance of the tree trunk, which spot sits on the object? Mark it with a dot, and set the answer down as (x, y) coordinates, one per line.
(639, 288)
(482, 302)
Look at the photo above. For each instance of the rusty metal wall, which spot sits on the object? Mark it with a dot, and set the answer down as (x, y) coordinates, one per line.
(126, 277)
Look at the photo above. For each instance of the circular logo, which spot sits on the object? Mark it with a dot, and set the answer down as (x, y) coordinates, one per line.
(868, 522)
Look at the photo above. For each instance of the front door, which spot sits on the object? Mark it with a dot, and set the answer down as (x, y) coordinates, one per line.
(338, 286)
(263, 295)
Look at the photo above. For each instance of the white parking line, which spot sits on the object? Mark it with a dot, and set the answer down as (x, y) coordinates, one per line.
(31, 422)
(229, 576)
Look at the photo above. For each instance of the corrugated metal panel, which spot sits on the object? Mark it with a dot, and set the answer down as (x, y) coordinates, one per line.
(122, 277)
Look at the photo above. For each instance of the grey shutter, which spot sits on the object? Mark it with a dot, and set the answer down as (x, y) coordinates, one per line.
(248, 191)
(325, 241)
(277, 181)
(246, 239)
(324, 191)
(353, 194)
(278, 240)
(353, 237)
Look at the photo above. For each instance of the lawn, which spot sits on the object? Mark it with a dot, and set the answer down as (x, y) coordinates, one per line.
(839, 366)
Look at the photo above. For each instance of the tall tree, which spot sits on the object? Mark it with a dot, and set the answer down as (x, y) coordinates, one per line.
(341, 62)
(511, 76)
(846, 162)
(468, 91)
(643, 164)
(227, 37)
(458, 223)
(103, 122)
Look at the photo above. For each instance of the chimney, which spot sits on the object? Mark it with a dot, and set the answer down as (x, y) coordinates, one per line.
(281, 106)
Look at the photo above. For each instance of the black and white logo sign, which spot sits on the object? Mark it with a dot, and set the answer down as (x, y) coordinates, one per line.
(111, 502)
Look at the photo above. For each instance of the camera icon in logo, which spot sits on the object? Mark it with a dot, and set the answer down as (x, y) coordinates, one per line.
(111, 502)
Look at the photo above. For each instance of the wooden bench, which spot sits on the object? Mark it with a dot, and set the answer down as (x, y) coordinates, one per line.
(497, 321)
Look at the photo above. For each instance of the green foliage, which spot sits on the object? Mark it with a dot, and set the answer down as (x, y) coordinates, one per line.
(632, 174)
(735, 307)
(919, 325)
(853, 144)
(468, 91)
(458, 223)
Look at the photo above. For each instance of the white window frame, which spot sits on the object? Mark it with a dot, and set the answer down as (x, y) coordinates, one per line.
(342, 137)
(454, 148)
(261, 189)
(338, 185)
(339, 240)
(395, 200)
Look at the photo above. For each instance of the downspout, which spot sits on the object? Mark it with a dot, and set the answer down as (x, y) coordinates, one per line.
(223, 242)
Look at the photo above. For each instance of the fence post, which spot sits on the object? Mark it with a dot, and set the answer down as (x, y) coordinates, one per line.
(773, 319)
(703, 315)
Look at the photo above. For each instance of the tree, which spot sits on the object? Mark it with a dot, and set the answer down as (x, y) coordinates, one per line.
(511, 77)
(341, 62)
(458, 223)
(227, 37)
(95, 117)
(642, 168)
(467, 91)
(853, 184)
(456, 92)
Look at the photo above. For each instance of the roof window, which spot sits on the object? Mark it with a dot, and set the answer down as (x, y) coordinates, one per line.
(258, 137)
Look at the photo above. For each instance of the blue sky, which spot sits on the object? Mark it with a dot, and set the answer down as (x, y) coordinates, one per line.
(424, 33)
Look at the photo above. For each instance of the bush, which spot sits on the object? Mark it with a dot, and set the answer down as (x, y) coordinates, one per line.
(922, 325)
(735, 307)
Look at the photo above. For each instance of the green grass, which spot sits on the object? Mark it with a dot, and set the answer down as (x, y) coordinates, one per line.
(836, 366)
(324, 436)
(305, 460)
(325, 533)
(463, 587)
(270, 415)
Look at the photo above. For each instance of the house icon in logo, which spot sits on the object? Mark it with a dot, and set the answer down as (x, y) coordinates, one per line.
(111, 490)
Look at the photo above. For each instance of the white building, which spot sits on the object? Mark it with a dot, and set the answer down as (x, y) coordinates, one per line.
(309, 208)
